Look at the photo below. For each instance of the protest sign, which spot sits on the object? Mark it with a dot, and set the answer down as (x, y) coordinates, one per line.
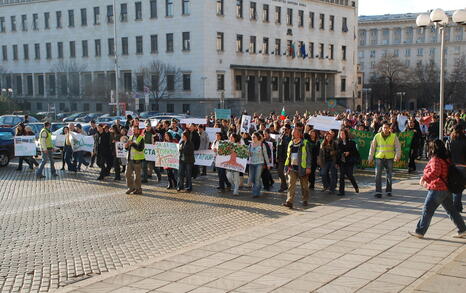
(324, 123)
(164, 154)
(198, 121)
(121, 152)
(142, 125)
(81, 142)
(223, 114)
(275, 136)
(232, 156)
(245, 123)
(211, 133)
(58, 140)
(402, 122)
(25, 146)
(364, 139)
(204, 158)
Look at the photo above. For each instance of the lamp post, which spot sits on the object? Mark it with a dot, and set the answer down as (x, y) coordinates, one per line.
(366, 91)
(441, 20)
(117, 73)
(401, 94)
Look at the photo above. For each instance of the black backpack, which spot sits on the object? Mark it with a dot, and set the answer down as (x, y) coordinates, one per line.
(455, 180)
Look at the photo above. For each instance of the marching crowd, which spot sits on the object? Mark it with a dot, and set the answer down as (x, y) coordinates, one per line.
(298, 152)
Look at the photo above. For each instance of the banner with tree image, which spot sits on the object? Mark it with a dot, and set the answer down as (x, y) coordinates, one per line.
(364, 139)
(232, 156)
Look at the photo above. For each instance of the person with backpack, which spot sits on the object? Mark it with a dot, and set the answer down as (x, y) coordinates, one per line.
(456, 145)
(435, 180)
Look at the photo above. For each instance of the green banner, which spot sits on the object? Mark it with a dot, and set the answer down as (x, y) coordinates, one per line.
(364, 139)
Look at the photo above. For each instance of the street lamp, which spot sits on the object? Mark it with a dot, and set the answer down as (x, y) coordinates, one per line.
(366, 91)
(401, 94)
(441, 20)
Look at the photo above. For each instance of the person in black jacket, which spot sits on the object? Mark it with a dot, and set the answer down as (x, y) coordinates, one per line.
(186, 163)
(282, 149)
(348, 155)
(456, 145)
(104, 151)
(415, 144)
(196, 140)
(314, 145)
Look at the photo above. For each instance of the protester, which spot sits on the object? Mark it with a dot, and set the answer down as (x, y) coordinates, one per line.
(314, 146)
(186, 148)
(103, 151)
(415, 144)
(456, 145)
(348, 156)
(435, 174)
(221, 172)
(328, 161)
(115, 137)
(172, 174)
(68, 151)
(282, 149)
(46, 148)
(234, 176)
(135, 147)
(93, 132)
(386, 148)
(203, 145)
(266, 176)
(147, 166)
(21, 131)
(258, 158)
(79, 155)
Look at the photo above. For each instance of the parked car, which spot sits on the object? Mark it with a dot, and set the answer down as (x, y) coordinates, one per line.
(11, 121)
(146, 115)
(37, 127)
(7, 147)
(89, 117)
(73, 117)
(61, 116)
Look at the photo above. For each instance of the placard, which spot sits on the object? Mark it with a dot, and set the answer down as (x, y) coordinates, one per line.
(25, 146)
(58, 140)
(197, 121)
(245, 123)
(223, 114)
(121, 151)
(82, 143)
(324, 123)
(204, 157)
(164, 154)
(211, 132)
(232, 156)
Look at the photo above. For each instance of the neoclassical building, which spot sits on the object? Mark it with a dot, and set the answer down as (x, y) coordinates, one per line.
(231, 53)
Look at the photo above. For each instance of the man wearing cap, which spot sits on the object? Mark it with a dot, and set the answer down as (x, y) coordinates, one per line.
(46, 147)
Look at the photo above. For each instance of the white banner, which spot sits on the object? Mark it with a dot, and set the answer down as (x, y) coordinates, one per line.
(121, 151)
(402, 122)
(198, 121)
(245, 124)
(82, 143)
(204, 158)
(58, 140)
(164, 154)
(324, 123)
(211, 132)
(25, 146)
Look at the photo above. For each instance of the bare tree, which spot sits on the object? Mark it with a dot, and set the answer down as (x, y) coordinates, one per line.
(68, 76)
(158, 79)
(455, 90)
(425, 80)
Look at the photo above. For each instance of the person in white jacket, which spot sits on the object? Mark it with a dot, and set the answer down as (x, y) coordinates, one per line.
(204, 145)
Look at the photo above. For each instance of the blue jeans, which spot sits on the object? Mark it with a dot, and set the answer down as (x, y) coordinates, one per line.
(457, 202)
(329, 175)
(79, 157)
(185, 172)
(379, 165)
(255, 173)
(68, 154)
(47, 156)
(433, 200)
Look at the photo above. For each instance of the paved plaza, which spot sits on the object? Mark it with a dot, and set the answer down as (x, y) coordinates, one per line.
(88, 236)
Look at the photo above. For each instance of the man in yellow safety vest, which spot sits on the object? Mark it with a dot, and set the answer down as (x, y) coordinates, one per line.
(386, 148)
(135, 147)
(46, 149)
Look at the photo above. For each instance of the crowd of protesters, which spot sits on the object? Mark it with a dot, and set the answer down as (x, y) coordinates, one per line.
(300, 153)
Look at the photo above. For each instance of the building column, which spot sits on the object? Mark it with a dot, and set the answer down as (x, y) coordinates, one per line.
(257, 86)
(35, 82)
(45, 85)
(269, 87)
(56, 85)
(303, 86)
(281, 97)
(292, 87)
(313, 87)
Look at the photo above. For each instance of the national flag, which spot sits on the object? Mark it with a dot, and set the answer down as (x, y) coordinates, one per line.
(283, 114)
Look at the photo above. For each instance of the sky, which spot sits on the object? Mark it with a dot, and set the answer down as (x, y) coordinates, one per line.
(375, 7)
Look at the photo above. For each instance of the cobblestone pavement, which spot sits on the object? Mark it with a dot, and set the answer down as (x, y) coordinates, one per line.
(55, 232)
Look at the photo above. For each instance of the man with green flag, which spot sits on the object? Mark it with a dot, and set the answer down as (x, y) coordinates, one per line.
(387, 149)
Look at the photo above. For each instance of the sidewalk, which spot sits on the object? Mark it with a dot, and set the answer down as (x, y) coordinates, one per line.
(355, 244)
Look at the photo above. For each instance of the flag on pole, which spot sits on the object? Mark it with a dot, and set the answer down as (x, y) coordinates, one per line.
(283, 114)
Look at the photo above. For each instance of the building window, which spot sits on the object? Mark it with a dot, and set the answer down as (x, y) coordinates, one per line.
(98, 48)
(35, 21)
(186, 7)
(96, 15)
(37, 51)
(322, 21)
(239, 8)
(15, 52)
(153, 8)
(124, 12)
(239, 43)
(420, 52)
(278, 14)
(186, 108)
(13, 23)
(220, 44)
(266, 13)
(186, 82)
(124, 46)
(72, 49)
(170, 108)
(238, 82)
(265, 46)
(48, 50)
(138, 10)
(274, 83)
(344, 25)
(220, 82)
(343, 52)
(26, 51)
(58, 16)
(332, 22)
(109, 13)
(85, 48)
(4, 53)
(111, 47)
(154, 44)
(331, 47)
(278, 46)
(253, 10)
(311, 50)
(2, 24)
(343, 84)
(86, 107)
(83, 17)
(186, 41)
(60, 50)
(169, 8)
(432, 52)
(46, 20)
(24, 23)
(396, 53)
(252, 45)
(140, 83)
(70, 18)
(289, 16)
(311, 19)
(170, 82)
(139, 45)
(220, 7)
(169, 42)
(321, 51)
(300, 18)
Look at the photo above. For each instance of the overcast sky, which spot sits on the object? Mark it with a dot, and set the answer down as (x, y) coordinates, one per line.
(372, 7)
